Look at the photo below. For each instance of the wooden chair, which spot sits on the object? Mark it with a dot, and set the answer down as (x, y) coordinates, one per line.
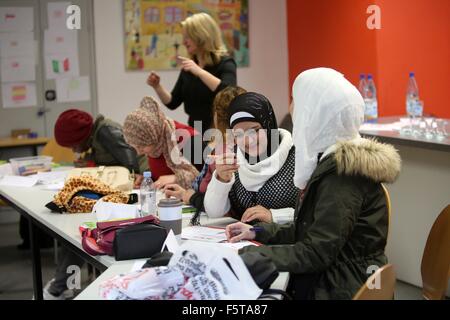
(388, 205)
(387, 281)
(59, 154)
(435, 266)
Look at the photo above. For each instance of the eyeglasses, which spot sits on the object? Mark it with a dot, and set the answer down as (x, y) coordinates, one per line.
(251, 133)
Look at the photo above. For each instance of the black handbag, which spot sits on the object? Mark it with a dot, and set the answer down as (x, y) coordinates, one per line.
(261, 267)
(139, 241)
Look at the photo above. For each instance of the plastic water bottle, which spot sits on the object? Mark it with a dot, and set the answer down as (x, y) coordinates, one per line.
(370, 100)
(148, 195)
(413, 107)
(362, 87)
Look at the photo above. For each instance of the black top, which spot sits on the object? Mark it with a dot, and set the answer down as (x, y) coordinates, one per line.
(197, 97)
(278, 192)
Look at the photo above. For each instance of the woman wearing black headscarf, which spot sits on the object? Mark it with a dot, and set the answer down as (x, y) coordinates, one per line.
(255, 177)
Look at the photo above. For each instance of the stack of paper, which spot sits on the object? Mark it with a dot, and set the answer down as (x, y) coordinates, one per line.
(206, 234)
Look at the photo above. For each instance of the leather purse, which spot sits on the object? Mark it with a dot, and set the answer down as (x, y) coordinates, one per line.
(100, 240)
(139, 241)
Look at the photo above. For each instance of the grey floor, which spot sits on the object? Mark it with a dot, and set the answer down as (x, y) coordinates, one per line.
(15, 267)
(16, 281)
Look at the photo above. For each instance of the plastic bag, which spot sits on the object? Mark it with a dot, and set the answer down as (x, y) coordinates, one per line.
(197, 271)
(213, 273)
(158, 283)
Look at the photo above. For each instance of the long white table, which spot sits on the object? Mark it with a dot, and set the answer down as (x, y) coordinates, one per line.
(92, 292)
(30, 202)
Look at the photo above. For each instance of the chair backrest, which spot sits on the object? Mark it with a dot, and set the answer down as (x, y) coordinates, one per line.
(59, 154)
(388, 205)
(385, 277)
(436, 258)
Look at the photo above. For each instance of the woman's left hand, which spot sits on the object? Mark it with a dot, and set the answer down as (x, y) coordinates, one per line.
(189, 65)
(257, 212)
(165, 180)
(138, 180)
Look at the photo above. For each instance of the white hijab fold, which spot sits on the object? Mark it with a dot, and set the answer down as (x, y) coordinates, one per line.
(254, 176)
(327, 109)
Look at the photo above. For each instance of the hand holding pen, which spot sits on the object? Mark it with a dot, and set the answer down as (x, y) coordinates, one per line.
(238, 231)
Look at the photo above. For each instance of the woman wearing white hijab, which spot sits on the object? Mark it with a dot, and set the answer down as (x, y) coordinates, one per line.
(341, 223)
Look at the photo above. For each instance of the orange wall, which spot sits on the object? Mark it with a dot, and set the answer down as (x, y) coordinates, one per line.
(414, 35)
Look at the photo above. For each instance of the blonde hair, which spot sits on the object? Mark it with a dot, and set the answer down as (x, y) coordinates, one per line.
(205, 33)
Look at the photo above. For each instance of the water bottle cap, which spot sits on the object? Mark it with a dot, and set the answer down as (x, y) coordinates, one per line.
(411, 74)
(369, 76)
(362, 76)
(147, 174)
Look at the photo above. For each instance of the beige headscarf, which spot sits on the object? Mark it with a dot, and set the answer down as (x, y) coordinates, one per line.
(148, 125)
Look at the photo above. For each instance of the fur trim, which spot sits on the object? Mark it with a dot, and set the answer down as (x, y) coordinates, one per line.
(377, 161)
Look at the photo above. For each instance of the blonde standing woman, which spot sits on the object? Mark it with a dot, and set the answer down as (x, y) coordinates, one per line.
(208, 70)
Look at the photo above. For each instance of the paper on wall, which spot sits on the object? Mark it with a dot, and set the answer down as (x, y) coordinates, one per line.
(16, 19)
(19, 94)
(61, 65)
(17, 44)
(73, 89)
(60, 41)
(18, 69)
(56, 13)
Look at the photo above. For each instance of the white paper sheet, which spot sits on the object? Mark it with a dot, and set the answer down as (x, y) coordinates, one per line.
(238, 245)
(60, 41)
(171, 242)
(73, 89)
(16, 19)
(19, 94)
(58, 66)
(17, 181)
(52, 177)
(54, 186)
(137, 265)
(56, 13)
(17, 44)
(18, 69)
(205, 234)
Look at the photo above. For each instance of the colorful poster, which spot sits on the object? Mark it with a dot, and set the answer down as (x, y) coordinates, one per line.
(18, 69)
(17, 44)
(57, 16)
(153, 36)
(13, 19)
(19, 94)
(73, 89)
(61, 65)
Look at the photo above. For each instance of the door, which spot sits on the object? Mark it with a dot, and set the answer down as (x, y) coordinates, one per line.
(23, 117)
(86, 63)
(41, 118)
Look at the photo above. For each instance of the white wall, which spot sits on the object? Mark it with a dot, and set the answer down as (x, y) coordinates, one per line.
(119, 91)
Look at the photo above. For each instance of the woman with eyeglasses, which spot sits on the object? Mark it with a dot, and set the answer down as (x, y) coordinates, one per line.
(253, 179)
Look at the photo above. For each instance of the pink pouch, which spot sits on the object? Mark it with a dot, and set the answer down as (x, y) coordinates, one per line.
(100, 240)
